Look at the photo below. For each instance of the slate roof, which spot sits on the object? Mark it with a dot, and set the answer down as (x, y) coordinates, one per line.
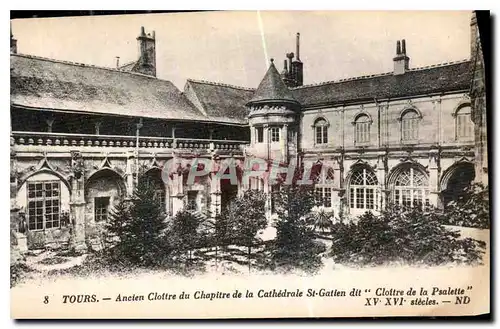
(272, 88)
(49, 84)
(44, 83)
(219, 100)
(433, 79)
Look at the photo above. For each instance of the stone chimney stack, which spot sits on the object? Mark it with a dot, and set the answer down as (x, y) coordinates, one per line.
(401, 61)
(147, 53)
(298, 66)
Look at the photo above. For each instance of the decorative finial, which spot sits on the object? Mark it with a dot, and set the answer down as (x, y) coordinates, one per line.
(272, 60)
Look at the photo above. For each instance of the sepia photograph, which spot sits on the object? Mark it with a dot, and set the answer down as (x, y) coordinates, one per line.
(249, 164)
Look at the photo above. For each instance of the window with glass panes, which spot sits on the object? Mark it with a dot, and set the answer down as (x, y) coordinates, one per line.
(411, 188)
(409, 126)
(101, 207)
(363, 190)
(321, 128)
(464, 124)
(275, 134)
(323, 189)
(362, 125)
(44, 205)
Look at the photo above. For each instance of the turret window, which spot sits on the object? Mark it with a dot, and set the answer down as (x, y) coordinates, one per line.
(275, 134)
(259, 136)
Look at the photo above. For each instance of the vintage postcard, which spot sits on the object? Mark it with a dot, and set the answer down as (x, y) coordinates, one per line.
(249, 164)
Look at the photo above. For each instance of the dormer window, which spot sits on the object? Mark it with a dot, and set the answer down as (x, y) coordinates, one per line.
(321, 131)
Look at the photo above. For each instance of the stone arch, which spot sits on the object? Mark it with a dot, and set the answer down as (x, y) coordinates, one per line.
(455, 180)
(360, 114)
(104, 188)
(409, 108)
(362, 189)
(156, 177)
(320, 117)
(408, 184)
(398, 169)
(45, 170)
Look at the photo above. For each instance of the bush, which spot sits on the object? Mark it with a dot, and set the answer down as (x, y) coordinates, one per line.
(18, 271)
(472, 209)
(410, 236)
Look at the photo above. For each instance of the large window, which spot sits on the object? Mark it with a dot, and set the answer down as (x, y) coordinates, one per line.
(44, 205)
(275, 134)
(464, 124)
(411, 188)
(410, 122)
(323, 189)
(363, 190)
(101, 207)
(362, 125)
(321, 130)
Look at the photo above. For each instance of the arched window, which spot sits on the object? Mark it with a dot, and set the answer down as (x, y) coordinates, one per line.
(362, 125)
(321, 131)
(363, 190)
(463, 123)
(410, 121)
(411, 188)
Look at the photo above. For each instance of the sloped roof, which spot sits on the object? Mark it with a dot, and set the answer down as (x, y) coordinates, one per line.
(436, 78)
(44, 83)
(219, 100)
(272, 88)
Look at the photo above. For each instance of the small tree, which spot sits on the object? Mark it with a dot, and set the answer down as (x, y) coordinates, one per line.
(295, 245)
(184, 232)
(246, 216)
(139, 230)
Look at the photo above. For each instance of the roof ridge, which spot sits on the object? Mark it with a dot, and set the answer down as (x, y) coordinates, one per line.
(220, 84)
(85, 65)
(381, 74)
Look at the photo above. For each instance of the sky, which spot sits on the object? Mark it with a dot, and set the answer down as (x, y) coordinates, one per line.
(235, 47)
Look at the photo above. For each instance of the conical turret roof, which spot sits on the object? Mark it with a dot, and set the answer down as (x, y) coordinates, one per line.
(272, 89)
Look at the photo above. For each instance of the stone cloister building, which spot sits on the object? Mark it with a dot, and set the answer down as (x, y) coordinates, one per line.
(83, 136)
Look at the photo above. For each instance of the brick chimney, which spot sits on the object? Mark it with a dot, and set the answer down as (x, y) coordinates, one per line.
(147, 53)
(401, 61)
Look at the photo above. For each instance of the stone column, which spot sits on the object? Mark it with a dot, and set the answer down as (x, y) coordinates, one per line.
(434, 178)
(284, 142)
(337, 188)
(252, 135)
(178, 194)
(129, 173)
(77, 214)
(215, 194)
(382, 197)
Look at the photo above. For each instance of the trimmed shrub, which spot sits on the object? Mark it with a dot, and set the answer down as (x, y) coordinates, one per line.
(398, 235)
